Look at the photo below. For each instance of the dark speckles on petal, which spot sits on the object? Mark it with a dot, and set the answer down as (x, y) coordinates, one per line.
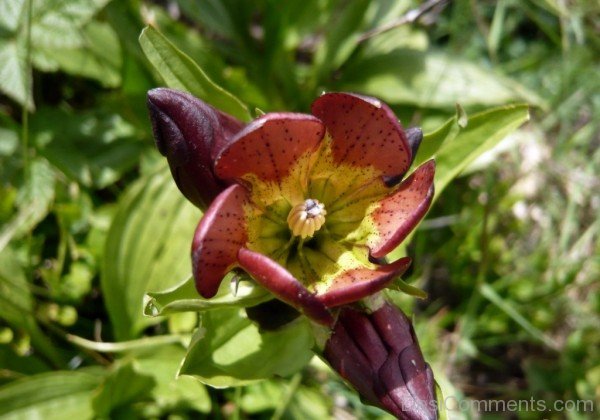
(353, 120)
(400, 211)
(268, 147)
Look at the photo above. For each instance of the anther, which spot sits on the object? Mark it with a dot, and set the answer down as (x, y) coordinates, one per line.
(306, 218)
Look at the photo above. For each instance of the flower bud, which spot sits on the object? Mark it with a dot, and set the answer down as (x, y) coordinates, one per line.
(190, 133)
(379, 355)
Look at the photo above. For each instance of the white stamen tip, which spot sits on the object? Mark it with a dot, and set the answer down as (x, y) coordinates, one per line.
(306, 218)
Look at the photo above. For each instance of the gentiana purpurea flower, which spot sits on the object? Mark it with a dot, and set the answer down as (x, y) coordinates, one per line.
(308, 205)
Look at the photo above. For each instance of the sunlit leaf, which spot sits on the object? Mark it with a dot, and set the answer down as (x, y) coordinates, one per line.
(179, 71)
(55, 395)
(184, 297)
(229, 350)
(483, 132)
(172, 392)
(147, 249)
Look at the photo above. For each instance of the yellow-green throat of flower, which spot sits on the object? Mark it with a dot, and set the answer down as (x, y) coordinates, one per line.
(306, 218)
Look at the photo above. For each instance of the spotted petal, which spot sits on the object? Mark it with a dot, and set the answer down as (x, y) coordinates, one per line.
(392, 219)
(355, 284)
(218, 237)
(365, 132)
(283, 284)
(269, 146)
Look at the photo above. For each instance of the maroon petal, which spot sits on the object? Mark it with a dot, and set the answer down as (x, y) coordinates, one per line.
(283, 284)
(218, 237)
(347, 359)
(418, 376)
(189, 133)
(394, 384)
(364, 335)
(269, 146)
(393, 327)
(365, 132)
(355, 284)
(399, 212)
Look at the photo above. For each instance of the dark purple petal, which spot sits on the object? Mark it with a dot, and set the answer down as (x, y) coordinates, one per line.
(269, 146)
(399, 213)
(218, 237)
(393, 326)
(283, 284)
(365, 132)
(355, 284)
(189, 133)
(346, 358)
(365, 336)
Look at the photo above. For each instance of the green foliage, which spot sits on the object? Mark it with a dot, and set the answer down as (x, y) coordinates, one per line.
(150, 214)
(230, 350)
(97, 307)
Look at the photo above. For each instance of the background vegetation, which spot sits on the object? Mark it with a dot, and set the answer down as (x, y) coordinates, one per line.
(90, 220)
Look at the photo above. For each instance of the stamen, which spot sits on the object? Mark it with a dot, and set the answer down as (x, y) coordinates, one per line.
(306, 218)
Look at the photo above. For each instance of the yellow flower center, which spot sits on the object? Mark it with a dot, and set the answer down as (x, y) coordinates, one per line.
(306, 218)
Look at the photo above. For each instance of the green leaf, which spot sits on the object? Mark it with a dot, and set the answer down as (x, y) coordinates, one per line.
(229, 350)
(305, 402)
(184, 298)
(433, 141)
(179, 71)
(147, 248)
(172, 392)
(34, 201)
(431, 79)
(341, 37)
(483, 132)
(57, 23)
(92, 148)
(97, 55)
(15, 79)
(55, 395)
(123, 386)
(10, 14)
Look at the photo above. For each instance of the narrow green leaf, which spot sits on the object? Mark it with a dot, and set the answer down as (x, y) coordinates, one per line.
(147, 248)
(184, 298)
(229, 350)
(490, 294)
(179, 71)
(341, 37)
(55, 395)
(482, 133)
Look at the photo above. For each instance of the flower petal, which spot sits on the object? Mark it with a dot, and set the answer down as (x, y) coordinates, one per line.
(357, 283)
(189, 133)
(365, 335)
(397, 214)
(269, 146)
(284, 285)
(365, 132)
(218, 237)
(346, 358)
